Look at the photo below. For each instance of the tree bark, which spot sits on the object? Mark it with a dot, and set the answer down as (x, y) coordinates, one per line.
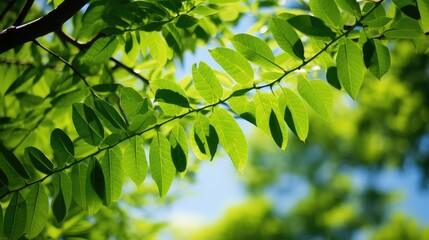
(17, 35)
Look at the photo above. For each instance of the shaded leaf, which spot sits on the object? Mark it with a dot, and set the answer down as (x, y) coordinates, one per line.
(39, 160)
(112, 119)
(186, 21)
(131, 101)
(376, 57)
(61, 202)
(206, 83)
(318, 94)
(37, 210)
(172, 99)
(311, 26)
(332, 77)
(179, 148)
(100, 51)
(287, 38)
(254, 49)
(9, 159)
(15, 217)
(95, 186)
(161, 165)
(203, 141)
(142, 122)
(62, 144)
(294, 113)
(231, 137)
(135, 163)
(234, 64)
(350, 67)
(113, 174)
(79, 178)
(87, 125)
(243, 108)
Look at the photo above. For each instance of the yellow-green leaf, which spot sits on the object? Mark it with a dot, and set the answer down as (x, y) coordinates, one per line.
(161, 165)
(206, 83)
(318, 94)
(113, 174)
(135, 163)
(294, 113)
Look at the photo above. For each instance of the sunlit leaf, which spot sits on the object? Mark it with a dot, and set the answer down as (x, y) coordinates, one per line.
(161, 165)
(203, 140)
(143, 121)
(423, 6)
(131, 101)
(318, 94)
(79, 178)
(206, 83)
(234, 64)
(15, 217)
(327, 10)
(171, 97)
(287, 38)
(87, 124)
(294, 112)
(350, 6)
(157, 47)
(243, 108)
(37, 210)
(39, 160)
(112, 119)
(350, 67)
(100, 51)
(111, 165)
(376, 57)
(179, 148)
(254, 49)
(134, 160)
(95, 186)
(231, 137)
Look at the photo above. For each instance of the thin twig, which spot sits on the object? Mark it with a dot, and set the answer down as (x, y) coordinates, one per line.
(23, 13)
(7, 8)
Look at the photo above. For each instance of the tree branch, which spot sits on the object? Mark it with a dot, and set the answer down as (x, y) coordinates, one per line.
(7, 8)
(24, 12)
(17, 35)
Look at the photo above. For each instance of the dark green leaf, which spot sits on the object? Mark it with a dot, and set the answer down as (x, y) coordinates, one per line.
(332, 77)
(199, 134)
(66, 99)
(179, 148)
(106, 87)
(186, 21)
(79, 178)
(15, 217)
(95, 187)
(112, 140)
(294, 113)
(112, 119)
(142, 122)
(61, 202)
(172, 99)
(275, 129)
(39, 160)
(311, 26)
(87, 125)
(376, 57)
(37, 210)
(62, 144)
(7, 157)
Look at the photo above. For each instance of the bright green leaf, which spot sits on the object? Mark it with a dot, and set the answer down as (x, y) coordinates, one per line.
(100, 51)
(231, 137)
(203, 140)
(423, 6)
(254, 49)
(161, 165)
(294, 112)
(234, 64)
(157, 47)
(206, 83)
(135, 163)
(179, 147)
(327, 10)
(15, 217)
(171, 97)
(318, 94)
(131, 101)
(243, 108)
(376, 57)
(110, 117)
(39, 160)
(113, 174)
(87, 124)
(350, 6)
(37, 210)
(287, 38)
(350, 67)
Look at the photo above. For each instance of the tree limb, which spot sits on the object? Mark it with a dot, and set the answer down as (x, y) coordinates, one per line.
(23, 13)
(17, 35)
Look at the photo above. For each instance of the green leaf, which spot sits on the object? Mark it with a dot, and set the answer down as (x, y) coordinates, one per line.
(66, 99)
(243, 108)
(131, 101)
(234, 64)
(95, 186)
(100, 51)
(15, 217)
(327, 10)
(1, 220)
(350, 67)
(113, 174)
(287, 38)
(161, 165)
(312, 27)
(318, 94)
(405, 28)
(203, 140)
(9, 159)
(231, 137)
(112, 119)
(222, 1)
(142, 122)
(186, 21)
(295, 113)
(157, 47)
(376, 57)
(37, 210)
(206, 83)
(39, 160)
(269, 118)
(4, 184)
(87, 125)
(62, 145)
(408, 7)
(79, 178)
(179, 147)
(350, 6)
(62, 200)
(172, 99)
(135, 163)
(423, 6)
(254, 49)
(204, 10)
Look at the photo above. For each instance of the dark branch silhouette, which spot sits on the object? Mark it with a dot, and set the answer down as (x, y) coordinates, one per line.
(17, 35)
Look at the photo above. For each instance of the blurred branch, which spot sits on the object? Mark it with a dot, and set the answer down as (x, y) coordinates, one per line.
(27, 64)
(7, 8)
(23, 13)
(17, 35)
